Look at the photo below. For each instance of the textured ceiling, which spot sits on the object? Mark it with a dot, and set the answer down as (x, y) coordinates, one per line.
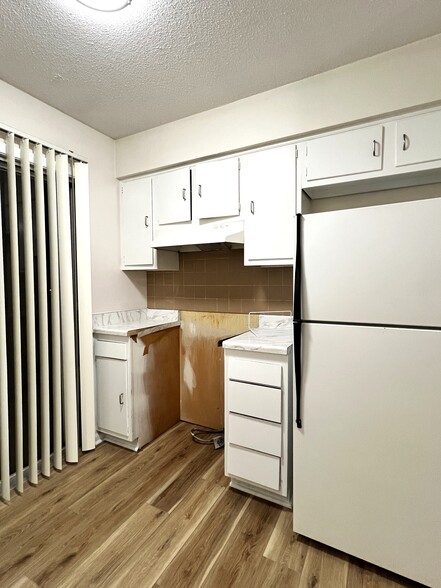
(160, 60)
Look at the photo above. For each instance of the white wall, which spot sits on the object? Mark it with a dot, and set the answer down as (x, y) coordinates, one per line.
(391, 82)
(112, 289)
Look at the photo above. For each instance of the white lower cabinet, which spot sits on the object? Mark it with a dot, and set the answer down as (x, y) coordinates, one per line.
(258, 398)
(136, 399)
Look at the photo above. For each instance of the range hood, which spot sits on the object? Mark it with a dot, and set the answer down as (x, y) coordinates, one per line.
(209, 237)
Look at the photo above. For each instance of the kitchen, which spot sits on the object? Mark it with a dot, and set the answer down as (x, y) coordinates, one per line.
(232, 129)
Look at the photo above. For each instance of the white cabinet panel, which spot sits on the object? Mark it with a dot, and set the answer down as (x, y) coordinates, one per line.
(372, 265)
(112, 395)
(367, 464)
(216, 188)
(111, 349)
(267, 191)
(259, 435)
(172, 197)
(418, 139)
(136, 222)
(256, 372)
(255, 400)
(346, 153)
(254, 467)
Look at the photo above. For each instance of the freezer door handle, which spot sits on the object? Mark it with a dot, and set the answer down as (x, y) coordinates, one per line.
(298, 319)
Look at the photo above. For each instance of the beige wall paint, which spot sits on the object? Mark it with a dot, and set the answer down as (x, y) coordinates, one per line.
(112, 289)
(402, 79)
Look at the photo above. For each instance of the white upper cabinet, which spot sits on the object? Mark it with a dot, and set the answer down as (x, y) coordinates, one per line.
(418, 139)
(172, 197)
(268, 189)
(136, 222)
(344, 154)
(136, 229)
(216, 188)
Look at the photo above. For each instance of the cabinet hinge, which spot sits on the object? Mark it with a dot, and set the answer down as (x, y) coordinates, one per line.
(238, 163)
(296, 151)
(240, 207)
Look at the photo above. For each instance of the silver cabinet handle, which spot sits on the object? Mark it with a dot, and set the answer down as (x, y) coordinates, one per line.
(376, 149)
(146, 221)
(406, 142)
(184, 197)
(200, 191)
(252, 206)
(121, 398)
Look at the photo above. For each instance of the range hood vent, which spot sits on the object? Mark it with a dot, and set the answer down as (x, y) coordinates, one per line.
(209, 237)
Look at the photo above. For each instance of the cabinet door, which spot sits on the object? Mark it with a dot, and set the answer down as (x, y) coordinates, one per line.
(418, 139)
(216, 188)
(136, 222)
(267, 186)
(343, 154)
(112, 395)
(172, 197)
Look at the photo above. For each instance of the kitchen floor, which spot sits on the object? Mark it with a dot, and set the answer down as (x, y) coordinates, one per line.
(163, 517)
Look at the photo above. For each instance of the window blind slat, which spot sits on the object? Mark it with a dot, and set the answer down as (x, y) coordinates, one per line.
(81, 179)
(55, 311)
(16, 318)
(42, 311)
(67, 309)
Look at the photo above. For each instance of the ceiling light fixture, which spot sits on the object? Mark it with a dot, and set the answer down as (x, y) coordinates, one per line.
(106, 5)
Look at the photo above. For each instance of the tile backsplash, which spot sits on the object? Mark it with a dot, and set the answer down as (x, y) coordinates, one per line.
(217, 281)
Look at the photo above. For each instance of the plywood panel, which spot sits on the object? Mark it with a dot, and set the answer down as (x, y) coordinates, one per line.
(156, 386)
(202, 364)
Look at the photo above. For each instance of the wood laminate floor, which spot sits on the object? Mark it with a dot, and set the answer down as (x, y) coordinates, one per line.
(164, 517)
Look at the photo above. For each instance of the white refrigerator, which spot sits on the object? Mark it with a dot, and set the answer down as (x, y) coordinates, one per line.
(367, 446)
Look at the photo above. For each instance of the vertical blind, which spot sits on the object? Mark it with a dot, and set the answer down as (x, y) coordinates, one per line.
(46, 349)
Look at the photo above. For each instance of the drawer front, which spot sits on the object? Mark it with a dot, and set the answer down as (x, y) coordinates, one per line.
(256, 401)
(256, 372)
(111, 349)
(259, 435)
(254, 467)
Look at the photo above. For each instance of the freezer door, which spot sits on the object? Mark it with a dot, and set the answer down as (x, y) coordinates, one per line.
(380, 264)
(367, 463)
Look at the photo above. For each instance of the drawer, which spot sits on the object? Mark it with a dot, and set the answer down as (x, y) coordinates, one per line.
(259, 435)
(254, 467)
(111, 349)
(256, 401)
(255, 372)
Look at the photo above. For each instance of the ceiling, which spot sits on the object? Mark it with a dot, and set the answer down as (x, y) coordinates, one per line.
(160, 60)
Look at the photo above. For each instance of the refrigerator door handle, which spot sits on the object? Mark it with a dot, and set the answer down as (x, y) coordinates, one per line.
(298, 320)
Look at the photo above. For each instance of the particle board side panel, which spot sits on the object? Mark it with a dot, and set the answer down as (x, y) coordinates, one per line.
(202, 364)
(156, 383)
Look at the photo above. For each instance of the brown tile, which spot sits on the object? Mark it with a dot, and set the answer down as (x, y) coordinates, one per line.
(199, 292)
(275, 276)
(260, 292)
(178, 278)
(234, 292)
(276, 293)
(279, 305)
(211, 278)
(287, 293)
(222, 266)
(206, 305)
(188, 291)
(216, 291)
(189, 279)
(187, 263)
(199, 279)
(223, 305)
(233, 306)
(254, 305)
(199, 266)
(168, 278)
(178, 291)
(287, 275)
(159, 278)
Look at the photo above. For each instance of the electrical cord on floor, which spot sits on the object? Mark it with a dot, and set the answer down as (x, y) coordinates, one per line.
(207, 438)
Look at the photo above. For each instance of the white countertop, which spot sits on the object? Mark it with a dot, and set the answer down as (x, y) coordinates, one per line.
(134, 322)
(278, 341)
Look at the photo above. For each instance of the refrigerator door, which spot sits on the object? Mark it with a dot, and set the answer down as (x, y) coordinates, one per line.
(367, 463)
(378, 265)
